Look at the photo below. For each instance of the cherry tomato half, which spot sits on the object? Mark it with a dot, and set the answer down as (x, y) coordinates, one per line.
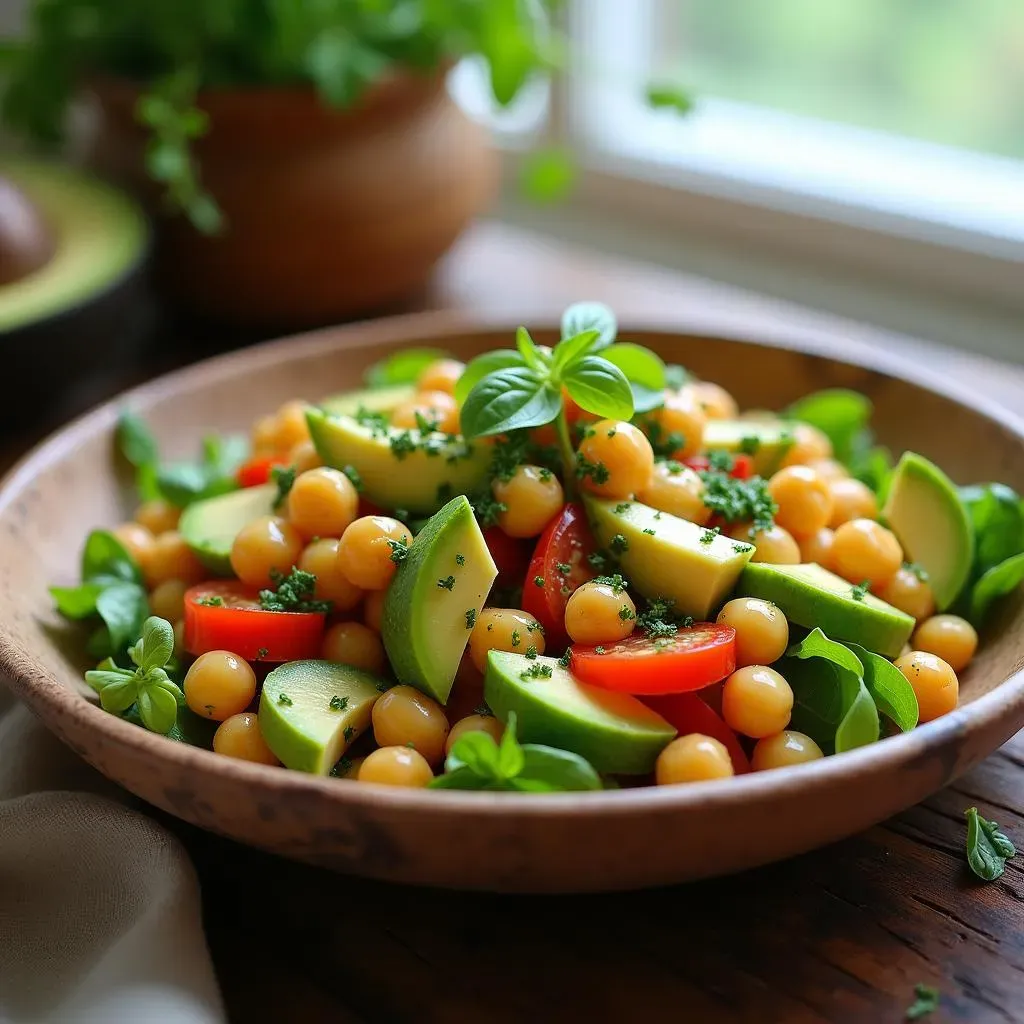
(566, 542)
(688, 713)
(256, 471)
(689, 659)
(225, 615)
(742, 467)
(511, 556)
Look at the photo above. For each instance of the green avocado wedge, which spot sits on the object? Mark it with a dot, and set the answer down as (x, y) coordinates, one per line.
(310, 711)
(372, 400)
(613, 731)
(931, 523)
(766, 441)
(434, 599)
(209, 527)
(401, 468)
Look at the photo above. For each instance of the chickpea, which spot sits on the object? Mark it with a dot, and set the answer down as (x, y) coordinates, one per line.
(322, 503)
(804, 500)
(437, 408)
(598, 613)
(304, 457)
(366, 548)
(219, 684)
(681, 415)
(851, 499)
(756, 701)
(809, 443)
(762, 632)
(291, 425)
(136, 540)
(474, 723)
(352, 643)
(240, 736)
(321, 559)
(908, 592)
(441, 375)
(171, 558)
(829, 469)
(934, 682)
(395, 766)
(263, 546)
(864, 550)
(714, 401)
(817, 547)
(264, 436)
(503, 629)
(405, 717)
(622, 458)
(949, 637)
(692, 758)
(373, 609)
(783, 749)
(157, 516)
(168, 600)
(774, 546)
(678, 490)
(533, 497)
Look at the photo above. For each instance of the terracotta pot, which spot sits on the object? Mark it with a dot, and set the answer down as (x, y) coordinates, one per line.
(329, 213)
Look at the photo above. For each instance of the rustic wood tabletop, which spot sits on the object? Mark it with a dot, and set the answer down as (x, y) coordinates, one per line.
(840, 935)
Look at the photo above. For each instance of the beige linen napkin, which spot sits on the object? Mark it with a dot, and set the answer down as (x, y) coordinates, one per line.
(99, 906)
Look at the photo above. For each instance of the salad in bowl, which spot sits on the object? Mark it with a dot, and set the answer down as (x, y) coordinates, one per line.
(552, 568)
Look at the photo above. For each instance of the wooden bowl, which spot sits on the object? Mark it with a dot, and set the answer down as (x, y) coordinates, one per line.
(507, 842)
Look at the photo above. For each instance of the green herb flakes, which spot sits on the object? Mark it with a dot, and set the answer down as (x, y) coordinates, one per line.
(619, 544)
(211, 601)
(460, 559)
(470, 618)
(293, 593)
(536, 672)
(448, 583)
(538, 581)
(859, 591)
(616, 582)
(338, 703)
(285, 700)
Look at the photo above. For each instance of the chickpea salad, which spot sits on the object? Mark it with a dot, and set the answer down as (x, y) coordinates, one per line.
(552, 568)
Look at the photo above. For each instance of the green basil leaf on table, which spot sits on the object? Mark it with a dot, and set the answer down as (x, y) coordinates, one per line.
(568, 350)
(599, 387)
(403, 367)
(508, 400)
(999, 581)
(489, 362)
(105, 556)
(842, 415)
(893, 695)
(136, 441)
(644, 371)
(590, 316)
(831, 703)
(560, 769)
(988, 849)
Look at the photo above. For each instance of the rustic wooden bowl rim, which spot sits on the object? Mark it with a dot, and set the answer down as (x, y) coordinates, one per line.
(903, 750)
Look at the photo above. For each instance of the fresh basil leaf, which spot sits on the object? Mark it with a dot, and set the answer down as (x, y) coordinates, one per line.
(403, 367)
(155, 645)
(840, 414)
(871, 464)
(831, 703)
(559, 769)
(136, 441)
(893, 695)
(476, 751)
(105, 555)
(510, 754)
(998, 522)
(661, 96)
(123, 607)
(100, 678)
(999, 581)
(120, 696)
(146, 482)
(159, 677)
(527, 785)
(489, 362)
(599, 387)
(459, 778)
(157, 708)
(644, 371)
(77, 602)
(528, 350)
(223, 454)
(509, 400)
(184, 483)
(568, 350)
(590, 316)
(988, 849)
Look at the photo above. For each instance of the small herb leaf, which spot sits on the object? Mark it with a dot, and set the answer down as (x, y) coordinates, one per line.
(644, 371)
(590, 316)
(600, 387)
(988, 849)
(508, 400)
(482, 366)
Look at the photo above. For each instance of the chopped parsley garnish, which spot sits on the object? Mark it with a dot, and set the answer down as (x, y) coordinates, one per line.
(283, 698)
(737, 500)
(650, 532)
(294, 593)
(597, 471)
(517, 638)
(626, 613)
(532, 626)
(657, 515)
(426, 424)
(531, 651)
(402, 444)
(741, 549)
(750, 445)
(354, 478)
(538, 581)
(674, 468)
(284, 477)
(342, 768)
(338, 703)
(448, 583)
(262, 653)
(487, 509)
(857, 592)
(619, 544)
(460, 559)
(721, 462)
(211, 601)
(623, 506)
(616, 582)
(599, 649)
(918, 570)
(564, 568)
(665, 443)
(536, 672)
(566, 658)
(545, 474)
(509, 454)
(709, 535)
(375, 422)
(597, 561)
(659, 620)
(348, 733)
(470, 618)
(399, 550)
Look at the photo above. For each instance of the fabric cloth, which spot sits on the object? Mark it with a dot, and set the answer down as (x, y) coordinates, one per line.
(100, 919)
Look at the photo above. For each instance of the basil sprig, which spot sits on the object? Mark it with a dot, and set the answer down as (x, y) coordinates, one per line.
(988, 849)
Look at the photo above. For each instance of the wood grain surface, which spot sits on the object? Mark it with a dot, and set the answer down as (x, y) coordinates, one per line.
(841, 935)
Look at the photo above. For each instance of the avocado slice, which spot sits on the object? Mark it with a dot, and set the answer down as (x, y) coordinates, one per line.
(613, 731)
(401, 468)
(371, 399)
(209, 527)
(767, 441)
(434, 599)
(668, 557)
(931, 523)
(812, 596)
(310, 711)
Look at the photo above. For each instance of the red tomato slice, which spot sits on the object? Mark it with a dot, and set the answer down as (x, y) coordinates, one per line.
(511, 556)
(688, 660)
(566, 541)
(238, 624)
(742, 467)
(256, 472)
(688, 713)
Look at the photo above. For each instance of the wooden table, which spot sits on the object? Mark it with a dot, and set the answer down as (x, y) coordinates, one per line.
(841, 935)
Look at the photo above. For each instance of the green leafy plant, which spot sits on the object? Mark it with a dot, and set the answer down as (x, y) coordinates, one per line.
(893, 695)
(996, 513)
(988, 849)
(147, 688)
(477, 762)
